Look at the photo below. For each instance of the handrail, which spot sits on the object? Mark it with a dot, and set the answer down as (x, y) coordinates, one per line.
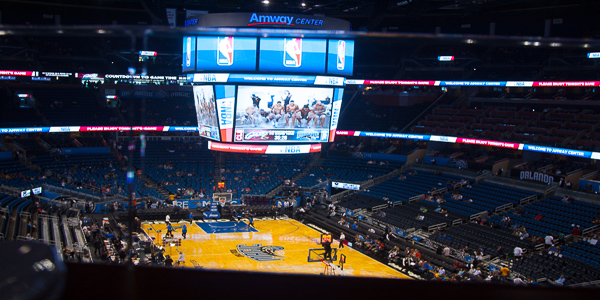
(527, 199)
(504, 207)
(477, 215)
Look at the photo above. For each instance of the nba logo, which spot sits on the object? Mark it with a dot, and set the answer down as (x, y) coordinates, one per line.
(341, 55)
(188, 54)
(225, 51)
(239, 135)
(292, 56)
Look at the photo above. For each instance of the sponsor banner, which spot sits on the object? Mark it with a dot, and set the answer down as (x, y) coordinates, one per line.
(268, 79)
(394, 82)
(472, 83)
(347, 133)
(267, 20)
(552, 150)
(64, 129)
(225, 95)
(445, 139)
(519, 83)
(189, 54)
(488, 143)
(344, 185)
(89, 75)
(192, 204)
(18, 73)
(329, 80)
(122, 128)
(534, 176)
(57, 74)
(172, 17)
(148, 53)
(355, 81)
(180, 128)
(335, 112)
(567, 83)
(206, 77)
(401, 233)
(292, 149)
(477, 83)
(281, 135)
(264, 149)
(24, 130)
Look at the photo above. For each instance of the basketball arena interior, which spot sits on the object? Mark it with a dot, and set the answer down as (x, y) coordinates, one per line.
(299, 149)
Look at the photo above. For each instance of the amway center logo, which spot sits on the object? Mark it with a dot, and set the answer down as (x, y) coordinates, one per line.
(266, 19)
(258, 252)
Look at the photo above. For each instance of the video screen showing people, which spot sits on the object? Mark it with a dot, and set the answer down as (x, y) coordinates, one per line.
(206, 114)
(270, 107)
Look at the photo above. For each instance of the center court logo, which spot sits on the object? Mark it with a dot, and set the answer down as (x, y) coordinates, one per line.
(258, 252)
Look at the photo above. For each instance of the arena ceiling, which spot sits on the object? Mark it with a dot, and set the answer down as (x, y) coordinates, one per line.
(356, 11)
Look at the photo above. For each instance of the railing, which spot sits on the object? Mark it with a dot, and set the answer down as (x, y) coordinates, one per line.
(457, 222)
(438, 191)
(56, 237)
(477, 215)
(589, 175)
(45, 228)
(67, 233)
(480, 178)
(550, 191)
(379, 207)
(590, 229)
(341, 195)
(528, 199)
(416, 198)
(504, 207)
(589, 283)
(437, 227)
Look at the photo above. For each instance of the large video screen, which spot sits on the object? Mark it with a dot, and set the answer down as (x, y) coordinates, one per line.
(340, 57)
(189, 54)
(206, 114)
(225, 104)
(226, 53)
(283, 114)
(292, 55)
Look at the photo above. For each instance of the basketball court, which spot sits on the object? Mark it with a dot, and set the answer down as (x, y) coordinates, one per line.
(279, 246)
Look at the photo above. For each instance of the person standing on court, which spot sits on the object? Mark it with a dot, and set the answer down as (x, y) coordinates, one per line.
(327, 247)
(342, 240)
(169, 230)
(191, 218)
(184, 231)
(181, 260)
(168, 219)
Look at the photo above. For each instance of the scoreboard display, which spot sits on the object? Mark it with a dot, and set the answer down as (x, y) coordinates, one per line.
(283, 114)
(267, 54)
(226, 53)
(243, 108)
(277, 96)
(292, 55)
